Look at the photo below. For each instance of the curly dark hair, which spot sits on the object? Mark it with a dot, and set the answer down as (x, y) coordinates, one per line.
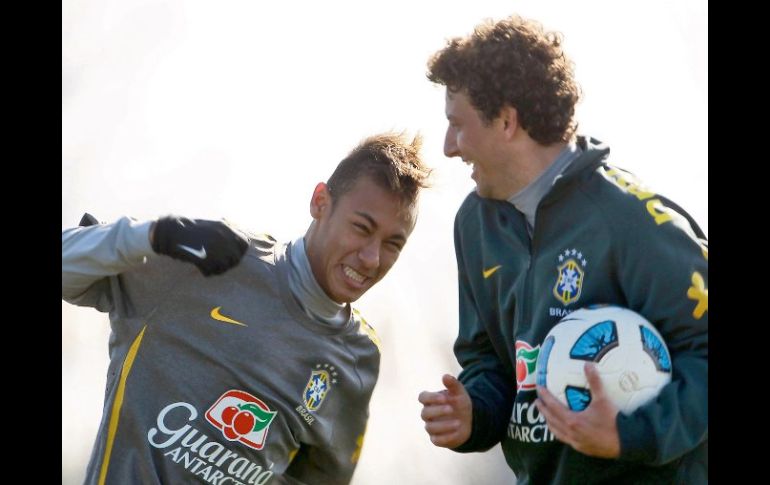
(391, 160)
(513, 62)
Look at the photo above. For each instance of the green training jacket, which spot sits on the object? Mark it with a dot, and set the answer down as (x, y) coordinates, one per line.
(600, 237)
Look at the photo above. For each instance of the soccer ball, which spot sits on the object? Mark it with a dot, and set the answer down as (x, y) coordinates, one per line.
(629, 353)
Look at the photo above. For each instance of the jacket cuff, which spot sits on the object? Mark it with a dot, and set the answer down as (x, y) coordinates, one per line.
(138, 238)
(485, 431)
(637, 439)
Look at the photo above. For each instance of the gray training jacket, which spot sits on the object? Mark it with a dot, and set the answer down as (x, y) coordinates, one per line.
(220, 380)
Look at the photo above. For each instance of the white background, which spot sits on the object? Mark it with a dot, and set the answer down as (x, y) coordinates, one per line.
(237, 109)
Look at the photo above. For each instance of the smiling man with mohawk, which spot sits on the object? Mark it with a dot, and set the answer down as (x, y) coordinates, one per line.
(235, 358)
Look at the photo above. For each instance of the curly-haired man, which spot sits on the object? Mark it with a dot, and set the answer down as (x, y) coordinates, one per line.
(548, 201)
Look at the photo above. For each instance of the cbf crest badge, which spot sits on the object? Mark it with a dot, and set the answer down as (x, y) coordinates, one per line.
(571, 272)
(321, 379)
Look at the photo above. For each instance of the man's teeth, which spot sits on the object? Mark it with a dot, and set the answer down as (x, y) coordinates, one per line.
(354, 275)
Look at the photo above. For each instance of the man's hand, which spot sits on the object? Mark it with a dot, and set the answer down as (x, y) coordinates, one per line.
(592, 431)
(447, 414)
(212, 246)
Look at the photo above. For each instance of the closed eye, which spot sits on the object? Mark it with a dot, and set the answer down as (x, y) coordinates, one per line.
(362, 228)
(395, 245)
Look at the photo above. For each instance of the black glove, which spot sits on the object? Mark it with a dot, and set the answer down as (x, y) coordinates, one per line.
(212, 246)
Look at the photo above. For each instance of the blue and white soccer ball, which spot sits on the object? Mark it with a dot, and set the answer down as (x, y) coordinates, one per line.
(629, 353)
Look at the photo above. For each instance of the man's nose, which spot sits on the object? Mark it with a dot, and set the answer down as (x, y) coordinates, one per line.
(450, 145)
(370, 255)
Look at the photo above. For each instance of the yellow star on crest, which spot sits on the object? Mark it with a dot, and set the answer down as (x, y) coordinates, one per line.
(699, 293)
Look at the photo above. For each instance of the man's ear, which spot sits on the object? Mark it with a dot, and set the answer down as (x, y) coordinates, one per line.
(321, 200)
(510, 119)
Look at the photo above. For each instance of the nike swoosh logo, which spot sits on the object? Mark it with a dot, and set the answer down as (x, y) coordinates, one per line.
(218, 316)
(488, 272)
(198, 253)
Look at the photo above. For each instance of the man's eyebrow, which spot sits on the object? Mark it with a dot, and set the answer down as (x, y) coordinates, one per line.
(368, 218)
